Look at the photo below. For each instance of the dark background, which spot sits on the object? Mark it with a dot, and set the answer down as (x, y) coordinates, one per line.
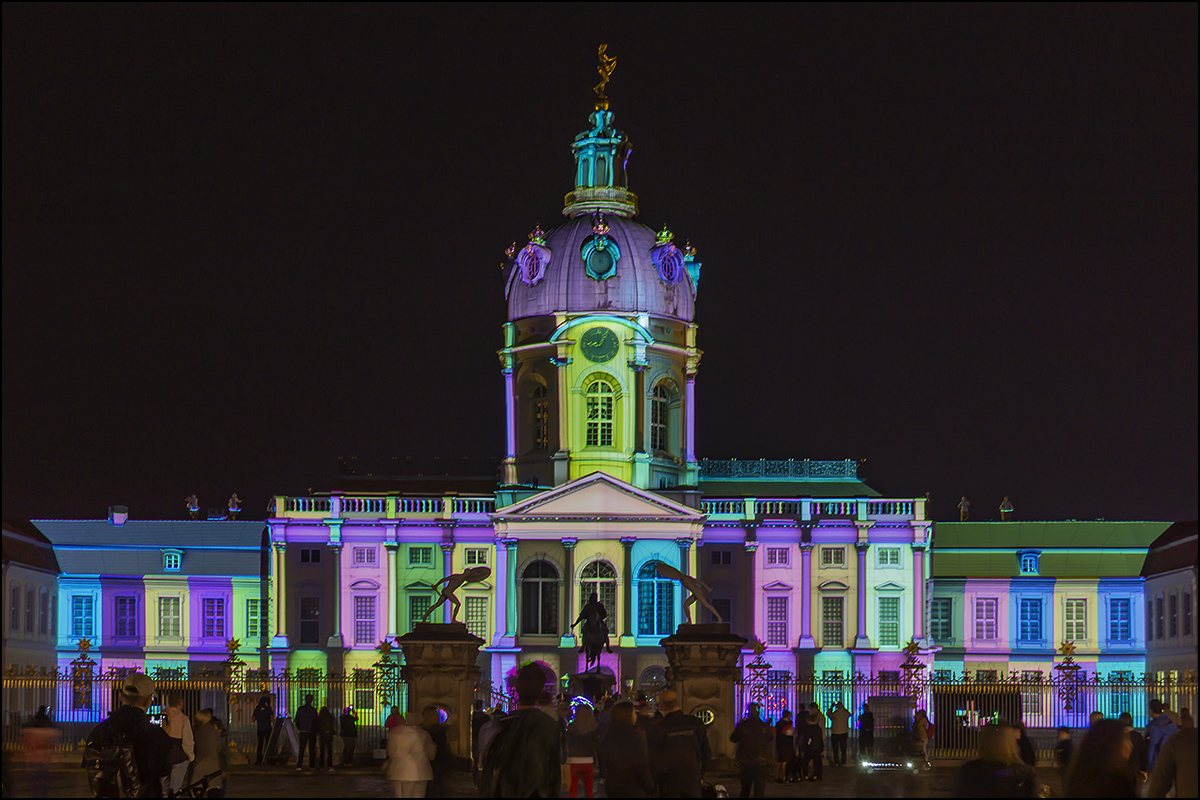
(956, 241)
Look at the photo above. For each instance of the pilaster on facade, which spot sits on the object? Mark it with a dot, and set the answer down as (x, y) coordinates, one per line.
(392, 599)
(806, 641)
(447, 567)
(280, 639)
(335, 641)
(861, 640)
(568, 636)
(626, 639)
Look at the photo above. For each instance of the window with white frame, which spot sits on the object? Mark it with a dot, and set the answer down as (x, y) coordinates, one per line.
(1120, 619)
(777, 621)
(169, 617)
(172, 560)
(888, 557)
(14, 610)
(476, 617)
(420, 556)
(475, 556)
(1033, 696)
(1159, 627)
(777, 556)
(1187, 613)
(125, 616)
(44, 617)
(941, 624)
(889, 622)
(833, 624)
(253, 618)
(985, 618)
(833, 556)
(213, 617)
(599, 414)
(1030, 623)
(659, 404)
(599, 577)
(364, 620)
(83, 618)
(1029, 563)
(30, 610)
(1173, 615)
(364, 556)
(1075, 629)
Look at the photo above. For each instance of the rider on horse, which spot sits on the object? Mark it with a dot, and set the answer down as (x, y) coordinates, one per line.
(595, 629)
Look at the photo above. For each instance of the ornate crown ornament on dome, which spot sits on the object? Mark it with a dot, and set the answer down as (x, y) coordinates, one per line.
(599, 226)
(537, 235)
(599, 251)
(664, 236)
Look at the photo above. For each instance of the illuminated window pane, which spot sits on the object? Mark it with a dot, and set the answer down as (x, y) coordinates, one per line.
(1030, 623)
(985, 618)
(777, 620)
(1120, 620)
(1076, 619)
(940, 619)
(126, 616)
(169, 617)
(253, 618)
(539, 599)
(659, 409)
(889, 621)
(214, 617)
(82, 616)
(476, 617)
(364, 620)
(832, 622)
(599, 414)
(656, 602)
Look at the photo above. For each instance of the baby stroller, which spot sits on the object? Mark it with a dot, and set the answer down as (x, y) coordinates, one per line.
(204, 787)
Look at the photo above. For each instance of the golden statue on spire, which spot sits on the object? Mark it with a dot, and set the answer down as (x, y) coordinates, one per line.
(606, 67)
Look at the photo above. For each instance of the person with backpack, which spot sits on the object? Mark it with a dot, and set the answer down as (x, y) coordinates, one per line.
(183, 748)
(306, 727)
(523, 751)
(126, 755)
(679, 749)
(754, 739)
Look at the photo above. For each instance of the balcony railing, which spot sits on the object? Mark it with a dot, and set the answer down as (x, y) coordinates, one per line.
(735, 468)
(807, 508)
(341, 506)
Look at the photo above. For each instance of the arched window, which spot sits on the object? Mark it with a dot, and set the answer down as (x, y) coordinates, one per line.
(539, 599)
(660, 408)
(541, 418)
(601, 578)
(601, 176)
(656, 602)
(600, 414)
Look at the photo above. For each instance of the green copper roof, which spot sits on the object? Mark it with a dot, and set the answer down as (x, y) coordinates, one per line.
(1069, 549)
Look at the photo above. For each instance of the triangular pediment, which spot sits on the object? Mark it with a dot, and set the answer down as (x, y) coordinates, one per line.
(419, 586)
(598, 496)
(777, 586)
(889, 587)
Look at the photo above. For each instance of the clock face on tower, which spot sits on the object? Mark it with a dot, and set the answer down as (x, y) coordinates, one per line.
(599, 345)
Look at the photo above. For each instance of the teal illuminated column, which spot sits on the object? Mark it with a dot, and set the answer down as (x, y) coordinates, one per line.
(568, 593)
(806, 639)
(627, 606)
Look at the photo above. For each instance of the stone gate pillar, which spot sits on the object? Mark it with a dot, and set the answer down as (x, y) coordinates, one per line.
(703, 670)
(440, 669)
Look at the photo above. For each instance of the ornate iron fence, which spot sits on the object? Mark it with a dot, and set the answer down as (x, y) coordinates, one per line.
(959, 705)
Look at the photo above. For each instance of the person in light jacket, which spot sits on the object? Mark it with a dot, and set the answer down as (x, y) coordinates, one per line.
(183, 750)
(211, 741)
(410, 752)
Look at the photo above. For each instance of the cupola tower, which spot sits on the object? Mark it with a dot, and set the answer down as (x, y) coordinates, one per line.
(599, 355)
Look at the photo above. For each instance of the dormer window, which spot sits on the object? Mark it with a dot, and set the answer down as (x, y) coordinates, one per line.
(1029, 562)
(172, 560)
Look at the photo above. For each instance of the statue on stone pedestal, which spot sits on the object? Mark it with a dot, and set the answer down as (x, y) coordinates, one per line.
(472, 575)
(595, 631)
(698, 588)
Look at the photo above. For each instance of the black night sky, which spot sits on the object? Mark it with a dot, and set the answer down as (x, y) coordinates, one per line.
(959, 242)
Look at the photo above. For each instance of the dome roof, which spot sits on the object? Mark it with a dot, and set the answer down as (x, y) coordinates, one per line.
(565, 285)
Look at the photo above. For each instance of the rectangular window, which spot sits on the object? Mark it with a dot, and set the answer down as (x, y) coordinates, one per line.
(253, 618)
(30, 610)
(1159, 627)
(82, 616)
(1030, 623)
(721, 558)
(1076, 618)
(1173, 615)
(14, 611)
(171, 562)
(1120, 620)
(126, 616)
(44, 617)
(214, 617)
(418, 606)
(420, 555)
(941, 626)
(985, 618)
(599, 420)
(986, 676)
(364, 689)
(476, 616)
(169, 617)
(889, 622)
(310, 556)
(777, 556)
(833, 556)
(889, 557)
(364, 620)
(475, 556)
(310, 620)
(943, 676)
(1029, 563)
(1187, 613)
(832, 623)
(364, 556)
(777, 621)
(724, 607)
(1032, 694)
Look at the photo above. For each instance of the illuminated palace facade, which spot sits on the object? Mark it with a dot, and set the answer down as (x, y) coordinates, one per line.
(599, 482)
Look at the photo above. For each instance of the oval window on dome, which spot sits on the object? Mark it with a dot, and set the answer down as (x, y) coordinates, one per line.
(600, 256)
(669, 261)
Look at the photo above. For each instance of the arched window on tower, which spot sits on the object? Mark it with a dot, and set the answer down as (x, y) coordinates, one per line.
(600, 414)
(540, 408)
(660, 409)
(583, 172)
(601, 578)
(539, 599)
(656, 602)
(601, 177)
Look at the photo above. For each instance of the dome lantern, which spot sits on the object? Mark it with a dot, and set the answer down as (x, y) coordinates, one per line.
(601, 158)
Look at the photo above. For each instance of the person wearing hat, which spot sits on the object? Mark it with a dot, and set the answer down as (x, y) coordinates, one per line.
(151, 745)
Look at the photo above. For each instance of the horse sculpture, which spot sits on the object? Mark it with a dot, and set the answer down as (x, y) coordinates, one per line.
(594, 632)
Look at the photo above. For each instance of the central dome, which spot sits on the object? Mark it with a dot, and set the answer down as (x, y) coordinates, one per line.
(567, 282)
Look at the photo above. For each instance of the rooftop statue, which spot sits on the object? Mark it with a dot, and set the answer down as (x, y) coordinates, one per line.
(472, 575)
(698, 588)
(605, 68)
